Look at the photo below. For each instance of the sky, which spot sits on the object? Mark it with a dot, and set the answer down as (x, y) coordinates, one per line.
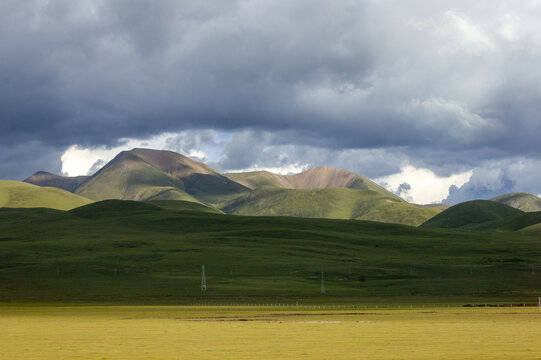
(435, 100)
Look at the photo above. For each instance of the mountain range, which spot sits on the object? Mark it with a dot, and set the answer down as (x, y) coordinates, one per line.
(321, 192)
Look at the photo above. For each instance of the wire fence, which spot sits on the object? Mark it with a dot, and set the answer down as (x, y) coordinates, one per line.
(361, 306)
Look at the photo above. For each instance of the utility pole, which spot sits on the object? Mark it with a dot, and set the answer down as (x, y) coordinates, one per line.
(203, 279)
(322, 284)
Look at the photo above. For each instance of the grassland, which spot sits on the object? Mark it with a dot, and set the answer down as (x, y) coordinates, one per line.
(179, 332)
(17, 194)
(133, 252)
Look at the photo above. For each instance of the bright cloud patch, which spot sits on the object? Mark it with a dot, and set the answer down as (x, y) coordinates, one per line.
(282, 170)
(422, 186)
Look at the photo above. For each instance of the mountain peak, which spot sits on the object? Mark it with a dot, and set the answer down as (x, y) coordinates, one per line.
(46, 179)
(172, 163)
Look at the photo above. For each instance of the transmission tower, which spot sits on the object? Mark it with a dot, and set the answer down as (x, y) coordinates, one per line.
(322, 284)
(203, 279)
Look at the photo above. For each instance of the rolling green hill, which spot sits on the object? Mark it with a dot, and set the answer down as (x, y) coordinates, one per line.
(519, 200)
(332, 203)
(133, 252)
(472, 214)
(17, 194)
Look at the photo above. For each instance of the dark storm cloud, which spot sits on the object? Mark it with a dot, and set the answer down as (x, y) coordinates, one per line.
(20, 161)
(444, 85)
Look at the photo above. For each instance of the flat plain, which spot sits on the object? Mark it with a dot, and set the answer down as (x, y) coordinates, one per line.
(221, 332)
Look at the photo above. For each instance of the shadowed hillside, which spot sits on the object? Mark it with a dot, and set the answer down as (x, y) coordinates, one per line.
(472, 214)
(68, 183)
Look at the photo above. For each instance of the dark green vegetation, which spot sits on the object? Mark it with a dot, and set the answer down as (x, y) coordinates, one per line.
(134, 252)
(484, 215)
(522, 201)
(471, 214)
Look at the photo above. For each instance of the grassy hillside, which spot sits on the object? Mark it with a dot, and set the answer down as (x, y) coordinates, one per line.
(133, 252)
(178, 205)
(519, 200)
(128, 177)
(17, 194)
(332, 203)
(472, 214)
(512, 223)
(532, 230)
(143, 174)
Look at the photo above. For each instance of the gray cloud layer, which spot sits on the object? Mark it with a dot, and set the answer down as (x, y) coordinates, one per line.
(444, 85)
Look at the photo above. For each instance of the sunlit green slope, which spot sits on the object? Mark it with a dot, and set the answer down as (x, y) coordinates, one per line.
(19, 194)
(520, 200)
(332, 203)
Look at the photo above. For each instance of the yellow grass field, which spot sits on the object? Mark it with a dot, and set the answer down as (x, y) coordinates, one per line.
(183, 332)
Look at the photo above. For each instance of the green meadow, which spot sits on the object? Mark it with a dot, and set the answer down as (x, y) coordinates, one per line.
(139, 253)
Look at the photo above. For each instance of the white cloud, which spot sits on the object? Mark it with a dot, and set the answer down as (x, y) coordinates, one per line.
(450, 117)
(455, 32)
(289, 169)
(423, 185)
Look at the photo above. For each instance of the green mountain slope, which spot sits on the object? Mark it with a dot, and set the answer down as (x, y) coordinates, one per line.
(144, 174)
(333, 203)
(45, 179)
(133, 252)
(472, 214)
(519, 200)
(197, 178)
(17, 194)
(128, 177)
